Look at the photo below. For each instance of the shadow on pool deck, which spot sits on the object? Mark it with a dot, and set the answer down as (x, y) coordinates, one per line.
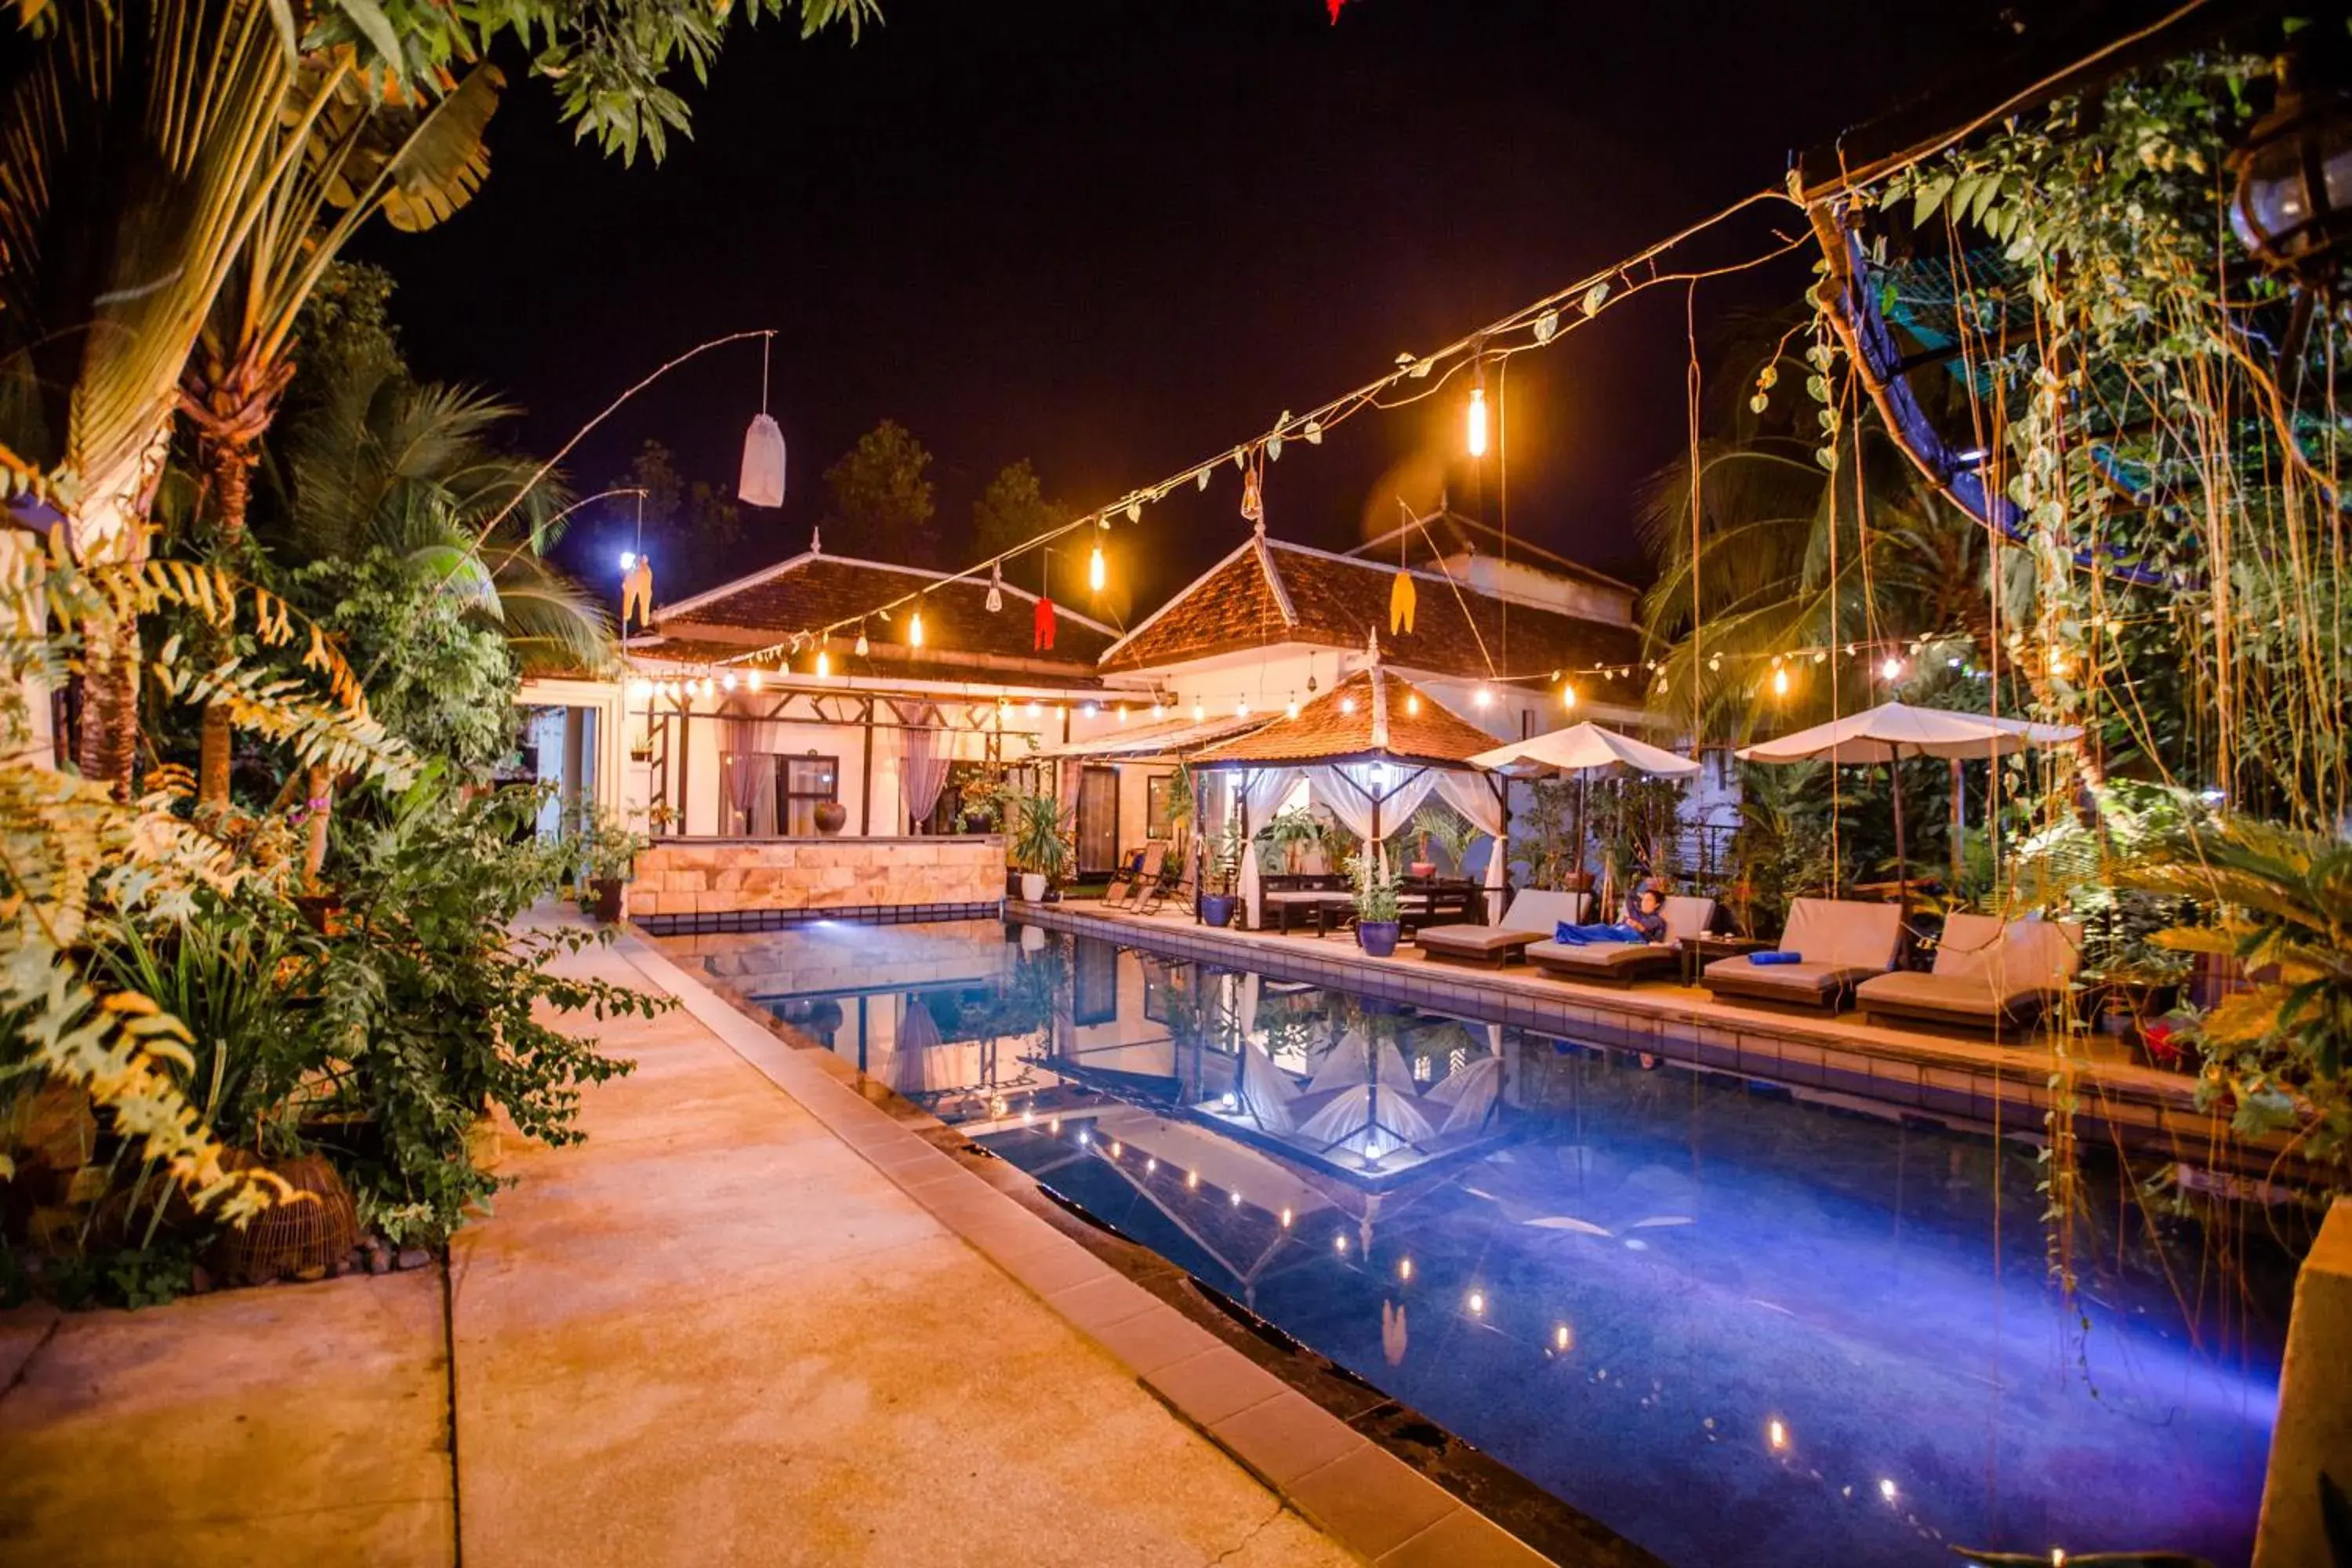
(715, 1332)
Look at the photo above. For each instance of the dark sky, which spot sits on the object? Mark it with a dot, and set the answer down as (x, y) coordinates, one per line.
(1117, 237)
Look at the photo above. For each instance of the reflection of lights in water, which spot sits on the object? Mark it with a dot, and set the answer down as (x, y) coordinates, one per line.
(1478, 1302)
(1286, 1219)
(1027, 1117)
(1405, 1268)
(1193, 1178)
(1339, 1243)
(1233, 1200)
(2057, 1557)
(1229, 1102)
(1118, 1150)
(1055, 1127)
(1776, 1435)
(1085, 1137)
(1150, 1165)
(1886, 1489)
(1561, 1338)
(998, 1108)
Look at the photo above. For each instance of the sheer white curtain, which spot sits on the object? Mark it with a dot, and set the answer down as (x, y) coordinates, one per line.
(748, 756)
(1349, 789)
(924, 772)
(1261, 793)
(1473, 794)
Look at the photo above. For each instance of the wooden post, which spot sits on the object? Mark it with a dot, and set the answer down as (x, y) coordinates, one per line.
(1199, 833)
(1902, 861)
(865, 779)
(1959, 820)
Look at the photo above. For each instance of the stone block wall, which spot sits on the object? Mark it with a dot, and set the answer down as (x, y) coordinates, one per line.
(718, 876)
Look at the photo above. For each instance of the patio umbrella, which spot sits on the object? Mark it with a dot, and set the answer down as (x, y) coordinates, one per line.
(1893, 731)
(1584, 750)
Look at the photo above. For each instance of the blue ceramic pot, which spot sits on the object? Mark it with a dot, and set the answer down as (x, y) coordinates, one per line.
(1217, 908)
(1377, 938)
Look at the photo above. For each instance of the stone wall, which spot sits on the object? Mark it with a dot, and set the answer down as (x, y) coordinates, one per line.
(712, 876)
(2314, 1435)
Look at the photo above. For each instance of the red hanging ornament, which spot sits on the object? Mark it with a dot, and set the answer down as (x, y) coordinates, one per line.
(1044, 637)
(1335, 11)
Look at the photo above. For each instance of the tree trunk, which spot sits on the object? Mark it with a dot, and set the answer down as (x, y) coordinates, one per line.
(229, 461)
(107, 745)
(314, 851)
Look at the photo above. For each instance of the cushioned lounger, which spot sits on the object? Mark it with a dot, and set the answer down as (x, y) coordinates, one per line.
(1840, 943)
(1533, 916)
(1622, 962)
(1989, 974)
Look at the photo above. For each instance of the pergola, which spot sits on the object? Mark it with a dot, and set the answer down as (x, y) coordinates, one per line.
(1371, 750)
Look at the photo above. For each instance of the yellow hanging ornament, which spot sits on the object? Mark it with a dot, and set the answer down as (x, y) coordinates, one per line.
(1252, 498)
(1402, 598)
(638, 593)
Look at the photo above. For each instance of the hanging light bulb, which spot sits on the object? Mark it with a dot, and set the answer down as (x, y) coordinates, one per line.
(628, 560)
(1122, 712)
(1413, 704)
(2057, 659)
(824, 664)
(1241, 707)
(1478, 431)
(1779, 683)
(1094, 570)
(1346, 705)
(1892, 670)
(1567, 695)
(730, 681)
(1290, 708)
(1159, 711)
(995, 588)
(1035, 708)
(861, 642)
(915, 629)
(1199, 713)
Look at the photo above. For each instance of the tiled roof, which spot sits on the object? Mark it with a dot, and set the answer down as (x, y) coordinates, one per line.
(884, 665)
(1335, 600)
(1159, 738)
(1355, 720)
(812, 591)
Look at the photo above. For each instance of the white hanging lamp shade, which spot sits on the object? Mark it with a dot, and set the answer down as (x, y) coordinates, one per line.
(762, 479)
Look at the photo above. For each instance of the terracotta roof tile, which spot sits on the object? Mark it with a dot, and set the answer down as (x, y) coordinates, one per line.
(884, 665)
(812, 591)
(1337, 599)
(1343, 725)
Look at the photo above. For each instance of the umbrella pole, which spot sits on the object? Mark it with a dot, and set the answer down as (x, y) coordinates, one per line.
(1902, 862)
(1583, 785)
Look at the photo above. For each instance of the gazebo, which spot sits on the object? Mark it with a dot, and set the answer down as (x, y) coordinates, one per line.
(1372, 750)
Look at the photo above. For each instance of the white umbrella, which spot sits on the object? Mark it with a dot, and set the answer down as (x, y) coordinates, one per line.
(1584, 750)
(1892, 732)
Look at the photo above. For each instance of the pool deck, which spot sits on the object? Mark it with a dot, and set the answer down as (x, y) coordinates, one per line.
(757, 1317)
(2006, 1087)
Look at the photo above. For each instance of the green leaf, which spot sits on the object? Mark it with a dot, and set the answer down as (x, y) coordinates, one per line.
(376, 27)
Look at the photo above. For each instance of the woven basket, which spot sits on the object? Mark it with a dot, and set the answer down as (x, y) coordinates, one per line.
(299, 1237)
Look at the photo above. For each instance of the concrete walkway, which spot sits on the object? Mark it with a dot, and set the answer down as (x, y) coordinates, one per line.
(715, 1332)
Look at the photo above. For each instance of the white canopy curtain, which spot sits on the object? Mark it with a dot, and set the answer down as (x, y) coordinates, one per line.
(749, 749)
(924, 772)
(1476, 798)
(1349, 790)
(1258, 794)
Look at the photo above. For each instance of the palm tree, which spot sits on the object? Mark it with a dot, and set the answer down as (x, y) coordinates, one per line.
(415, 164)
(1791, 554)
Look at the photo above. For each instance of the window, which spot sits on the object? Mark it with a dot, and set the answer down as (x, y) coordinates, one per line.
(802, 784)
(1155, 805)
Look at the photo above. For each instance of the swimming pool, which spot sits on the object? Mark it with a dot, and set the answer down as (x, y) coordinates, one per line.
(1736, 1324)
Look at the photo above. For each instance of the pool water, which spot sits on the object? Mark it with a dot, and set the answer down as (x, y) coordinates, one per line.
(1735, 1323)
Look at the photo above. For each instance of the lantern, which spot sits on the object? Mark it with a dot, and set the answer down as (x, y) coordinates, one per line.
(761, 481)
(2293, 201)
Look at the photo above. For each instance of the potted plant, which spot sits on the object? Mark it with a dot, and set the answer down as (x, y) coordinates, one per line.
(608, 853)
(1292, 833)
(1376, 904)
(1223, 873)
(1040, 843)
(1451, 831)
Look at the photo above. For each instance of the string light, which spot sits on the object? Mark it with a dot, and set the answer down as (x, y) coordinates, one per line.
(1481, 698)
(730, 681)
(1478, 431)
(1290, 708)
(1567, 696)
(995, 589)
(1779, 683)
(628, 560)
(1346, 705)
(755, 678)
(824, 664)
(1035, 708)
(1158, 711)
(861, 642)
(1122, 712)
(1241, 707)
(1892, 670)
(915, 629)
(1094, 570)
(1413, 704)
(1776, 1435)
(1199, 713)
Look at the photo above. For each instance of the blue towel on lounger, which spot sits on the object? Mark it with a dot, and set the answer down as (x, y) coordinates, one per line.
(1570, 935)
(1771, 958)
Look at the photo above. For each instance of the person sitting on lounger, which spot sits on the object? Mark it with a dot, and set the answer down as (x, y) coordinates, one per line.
(1645, 921)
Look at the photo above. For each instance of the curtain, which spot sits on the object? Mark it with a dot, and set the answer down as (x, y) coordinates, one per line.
(750, 778)
(1349, 1063)
(924, 772)
(1267, 1090)
(1261, 792)
(1473, 794)
(1348, 791)
(1469, 1095)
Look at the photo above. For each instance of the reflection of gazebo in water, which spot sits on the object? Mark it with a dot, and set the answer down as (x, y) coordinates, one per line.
(933, 1071)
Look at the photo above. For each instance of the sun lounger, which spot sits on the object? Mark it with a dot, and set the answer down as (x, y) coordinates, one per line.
(1989, 974)
(1533, 916)
(1622, 962)
(1839, 945)
(1148, 876)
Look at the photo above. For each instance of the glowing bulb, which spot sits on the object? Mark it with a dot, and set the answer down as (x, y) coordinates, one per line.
(1776, 1435)
(1035, 708)
(1118, 1150)
(1891, 669)
(628, 560)
(1478, 431)
(1085, 1139)
(1055, 1127)
(730, 681)
(1886, 1489)
(1561, 1338)
(641, 687)
(1339, 1243)
(2057, 661)
(996, 1107)
(915, 629)
(1567, 697)
(754, 678)
(1413, 704)
(1199, 713)
(824, 664)
(1478, 1302)
(1158, 711)
(1285, 1218)
(1228, 1101)
(1233, 1200)
(1482, 697)
(1241, 707)
(1094, 570)
(1122, 712)
(862, 644)
(1088, 710)
(1193, 1179)
(1151, 1165)
(1290, 708)
(1346, 705)
(1779, 683)
(1405, 1268)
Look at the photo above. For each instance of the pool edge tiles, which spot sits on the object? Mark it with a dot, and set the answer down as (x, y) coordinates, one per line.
(1359, 1491)
(1910, 1072)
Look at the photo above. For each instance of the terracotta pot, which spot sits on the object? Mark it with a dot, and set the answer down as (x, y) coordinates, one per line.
(612, 900)
(1422, 869)
(832, 816)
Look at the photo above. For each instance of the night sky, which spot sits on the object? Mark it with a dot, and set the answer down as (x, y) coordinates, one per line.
(1118, 237)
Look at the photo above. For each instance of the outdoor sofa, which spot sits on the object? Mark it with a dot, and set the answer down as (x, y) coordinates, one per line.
(1535, 913)
(1622, 962)
(1840, 944)
(1989, 974)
